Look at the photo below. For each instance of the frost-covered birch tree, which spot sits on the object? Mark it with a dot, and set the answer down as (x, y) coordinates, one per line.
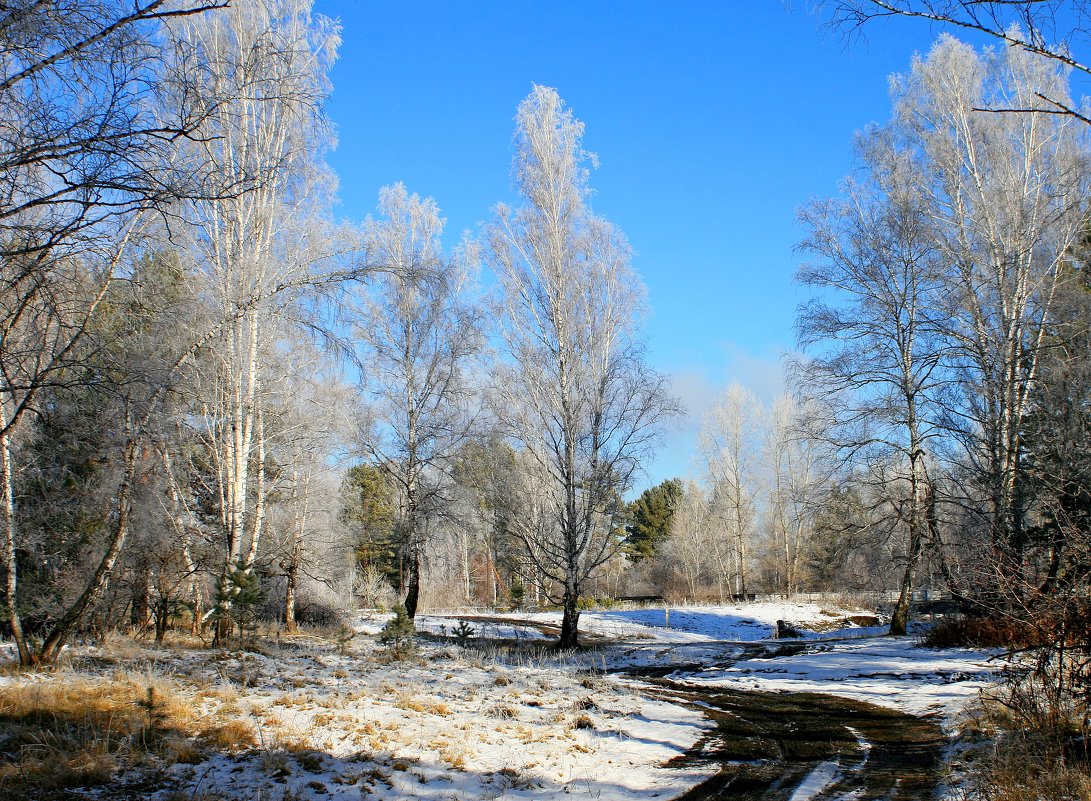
(419, 331)
(261, 69)
(1048, 29)
(730, 443)
(85, 133)
(573, 388)
(696, 548)
(309, 422)
(1006, 193)
(874, 381)
(939, 273)
(797, 466)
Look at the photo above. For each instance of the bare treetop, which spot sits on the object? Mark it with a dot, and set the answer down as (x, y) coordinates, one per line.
(1053, 29)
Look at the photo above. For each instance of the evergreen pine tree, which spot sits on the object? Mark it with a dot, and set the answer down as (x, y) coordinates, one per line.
(650, 518)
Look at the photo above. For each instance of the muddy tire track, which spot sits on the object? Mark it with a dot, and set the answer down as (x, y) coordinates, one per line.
(729, 654)
(774, 746)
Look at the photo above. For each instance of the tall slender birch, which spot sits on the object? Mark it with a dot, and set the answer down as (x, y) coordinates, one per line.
(731, 447)
(84, 132)
(874, 379)
(797, 468)
(573, 388)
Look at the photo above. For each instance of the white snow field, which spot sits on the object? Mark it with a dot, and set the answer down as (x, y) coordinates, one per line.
(487, 722)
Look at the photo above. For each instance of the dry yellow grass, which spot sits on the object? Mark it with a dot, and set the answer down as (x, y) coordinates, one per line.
(1021, 766)
(183, 751)
(456, 758)
(504, 711)
(65, 732)
(323, 719)
(227, 693)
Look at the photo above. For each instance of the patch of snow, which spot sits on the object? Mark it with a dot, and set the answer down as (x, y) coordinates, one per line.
(823, 776)
(714, 645)
(746, 622)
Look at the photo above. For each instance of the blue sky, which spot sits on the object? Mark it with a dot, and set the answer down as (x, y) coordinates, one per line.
(713, 122)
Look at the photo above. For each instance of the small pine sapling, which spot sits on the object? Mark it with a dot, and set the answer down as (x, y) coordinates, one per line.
(153, 708)
(517, 594)
(398, 633)
(463, 633)
(238, 595)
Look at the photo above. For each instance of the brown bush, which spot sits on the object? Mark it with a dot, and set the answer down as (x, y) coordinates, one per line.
(981, 632)
(1060, 622)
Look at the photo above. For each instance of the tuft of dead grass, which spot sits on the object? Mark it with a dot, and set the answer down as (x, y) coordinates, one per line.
(1015, 748)
(503, 711)
(182, 751)
(229, 735)
(583, 722)
(428, 706)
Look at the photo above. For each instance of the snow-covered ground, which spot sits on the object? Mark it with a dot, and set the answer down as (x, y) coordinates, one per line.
(452, 725)
(709, 647)
(684, 624)
(487, 722)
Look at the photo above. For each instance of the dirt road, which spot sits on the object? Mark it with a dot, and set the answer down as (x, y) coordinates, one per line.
(808, 747)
